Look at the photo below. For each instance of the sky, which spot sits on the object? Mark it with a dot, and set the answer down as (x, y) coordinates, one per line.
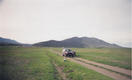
(31, 21)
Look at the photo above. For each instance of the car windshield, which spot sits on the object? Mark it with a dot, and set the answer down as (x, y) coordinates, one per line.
(68, 50)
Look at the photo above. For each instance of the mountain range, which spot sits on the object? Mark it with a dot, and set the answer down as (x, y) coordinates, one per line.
(78, 42)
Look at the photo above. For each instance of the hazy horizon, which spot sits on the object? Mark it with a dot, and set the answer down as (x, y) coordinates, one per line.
(31, 21)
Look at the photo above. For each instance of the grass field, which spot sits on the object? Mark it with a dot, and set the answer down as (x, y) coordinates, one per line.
(27, 64)
(120, 57)
(18, 63)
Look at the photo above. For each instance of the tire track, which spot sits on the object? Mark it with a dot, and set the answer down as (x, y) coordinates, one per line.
(102, 71)
(59, 70)
(113, 68)
(61, 73)
(113, 75)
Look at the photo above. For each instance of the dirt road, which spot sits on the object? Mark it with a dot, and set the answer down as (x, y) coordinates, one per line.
(108, 73)
(113, 68)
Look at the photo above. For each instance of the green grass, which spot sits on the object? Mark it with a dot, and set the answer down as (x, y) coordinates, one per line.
(120, 57)
(18, 63)
(27, 64)
(75, 71)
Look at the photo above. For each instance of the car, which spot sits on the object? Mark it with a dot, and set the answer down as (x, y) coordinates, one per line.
(68, 53)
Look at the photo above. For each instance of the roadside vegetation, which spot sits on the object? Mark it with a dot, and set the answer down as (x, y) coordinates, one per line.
(39, 64)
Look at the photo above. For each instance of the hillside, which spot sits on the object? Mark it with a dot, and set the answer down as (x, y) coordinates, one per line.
(78, 42)
(7, 42)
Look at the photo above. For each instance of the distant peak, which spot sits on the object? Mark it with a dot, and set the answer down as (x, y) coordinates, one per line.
(0, 37)
(52, 40)
(78, 42)
(84, 37)
(75, 37)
